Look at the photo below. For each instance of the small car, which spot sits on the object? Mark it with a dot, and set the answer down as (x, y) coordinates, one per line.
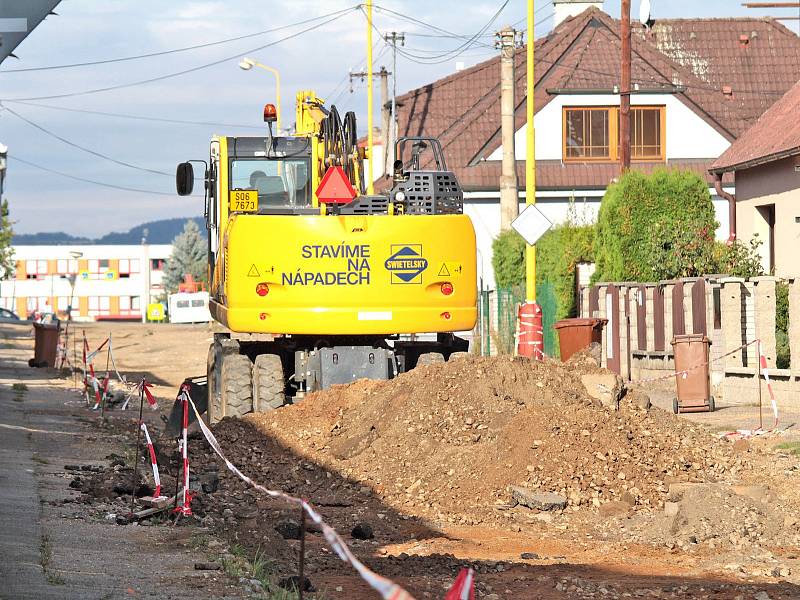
(8, 316)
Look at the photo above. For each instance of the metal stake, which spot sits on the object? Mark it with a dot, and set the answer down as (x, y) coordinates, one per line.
(103, 397)
(138, 438)
(74, 361)
(301, 568)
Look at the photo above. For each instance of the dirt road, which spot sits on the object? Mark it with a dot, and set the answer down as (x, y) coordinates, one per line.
(57, 543)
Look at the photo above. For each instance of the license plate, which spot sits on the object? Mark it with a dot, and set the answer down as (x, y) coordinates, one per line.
(243, 201)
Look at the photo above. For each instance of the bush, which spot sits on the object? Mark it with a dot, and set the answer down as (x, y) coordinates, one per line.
(655, 227)
(508, 259)
(737, 259)
(557, 254)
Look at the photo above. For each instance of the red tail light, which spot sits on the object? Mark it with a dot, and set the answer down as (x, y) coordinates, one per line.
(262, 289)
(446, 288)
(445, 316)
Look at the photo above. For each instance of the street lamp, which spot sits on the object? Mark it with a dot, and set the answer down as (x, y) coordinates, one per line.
(248, 63)
(72, 279)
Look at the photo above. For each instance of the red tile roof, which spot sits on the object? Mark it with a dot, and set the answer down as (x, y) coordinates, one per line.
(698, 55)
(775, 135)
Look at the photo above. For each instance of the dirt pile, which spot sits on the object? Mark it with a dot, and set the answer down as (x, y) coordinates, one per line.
(719, 517)
(450, 439)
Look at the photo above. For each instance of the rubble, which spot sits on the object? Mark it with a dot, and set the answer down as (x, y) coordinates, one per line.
(450, 439)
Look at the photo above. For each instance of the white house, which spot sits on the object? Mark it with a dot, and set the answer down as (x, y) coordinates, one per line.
(698, 85)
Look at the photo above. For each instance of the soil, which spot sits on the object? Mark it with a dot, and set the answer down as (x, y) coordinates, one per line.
(657, 504)
(449, 439)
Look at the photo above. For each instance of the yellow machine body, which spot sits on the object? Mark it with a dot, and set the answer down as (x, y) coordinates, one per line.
(348, 275)
(326, 274)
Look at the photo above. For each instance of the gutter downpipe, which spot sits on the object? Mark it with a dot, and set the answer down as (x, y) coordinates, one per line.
(731, 206)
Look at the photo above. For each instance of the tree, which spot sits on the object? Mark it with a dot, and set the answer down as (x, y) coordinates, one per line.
(189, 257)
(6, 252)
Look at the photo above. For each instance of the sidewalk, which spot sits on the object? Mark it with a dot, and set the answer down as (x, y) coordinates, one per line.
(51, 549)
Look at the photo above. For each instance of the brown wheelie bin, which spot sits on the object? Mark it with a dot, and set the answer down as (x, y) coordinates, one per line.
(45, 344)
(576, 334)
(692, 374)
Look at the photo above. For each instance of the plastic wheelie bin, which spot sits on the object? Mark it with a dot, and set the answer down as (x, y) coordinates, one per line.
(576, 334)
(692, 374)
(45, 344)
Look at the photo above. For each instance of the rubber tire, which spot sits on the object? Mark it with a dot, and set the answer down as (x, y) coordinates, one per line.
(236, 385)
(458, 355)
(430, 358)
(214, 411)
(711, 404)
(269, 384)
(675, 405)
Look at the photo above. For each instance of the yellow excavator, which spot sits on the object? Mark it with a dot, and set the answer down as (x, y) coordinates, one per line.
(314, 281)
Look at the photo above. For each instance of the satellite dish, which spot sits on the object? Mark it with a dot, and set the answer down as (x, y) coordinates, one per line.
(644, 12)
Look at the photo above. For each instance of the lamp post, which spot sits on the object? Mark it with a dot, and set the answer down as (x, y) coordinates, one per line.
(247, 64)
(73, 277)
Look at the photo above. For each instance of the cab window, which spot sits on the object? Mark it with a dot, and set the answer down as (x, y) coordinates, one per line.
(280, 183)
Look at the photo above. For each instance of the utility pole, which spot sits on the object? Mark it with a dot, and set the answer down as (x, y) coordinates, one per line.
(625, 90)
(384, 75)
(509, 195)
(370, 176)
(393, 38)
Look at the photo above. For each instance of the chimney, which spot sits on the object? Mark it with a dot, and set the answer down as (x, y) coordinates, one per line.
(569, 8)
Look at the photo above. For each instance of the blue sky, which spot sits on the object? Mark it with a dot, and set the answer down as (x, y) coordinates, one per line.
(89, 30)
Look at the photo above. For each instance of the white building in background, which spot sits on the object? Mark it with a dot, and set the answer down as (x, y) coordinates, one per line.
(113, 282)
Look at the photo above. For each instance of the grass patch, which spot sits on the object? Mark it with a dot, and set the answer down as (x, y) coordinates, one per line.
(38, 459)
(199, 541)
(790, 447)
(260, 568)
(45, 556)
(19, 387)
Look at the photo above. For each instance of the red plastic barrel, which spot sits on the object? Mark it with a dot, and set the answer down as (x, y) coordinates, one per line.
(531, 331)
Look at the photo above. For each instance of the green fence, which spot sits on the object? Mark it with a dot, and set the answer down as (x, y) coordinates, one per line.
(499, 319)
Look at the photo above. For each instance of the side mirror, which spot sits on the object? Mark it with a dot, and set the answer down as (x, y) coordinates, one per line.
(184, 179)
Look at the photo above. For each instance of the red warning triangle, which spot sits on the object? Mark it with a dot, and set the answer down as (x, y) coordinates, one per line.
(335, 188)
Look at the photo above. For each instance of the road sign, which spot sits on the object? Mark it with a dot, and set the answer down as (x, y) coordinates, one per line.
(335, 187)
(531, 224)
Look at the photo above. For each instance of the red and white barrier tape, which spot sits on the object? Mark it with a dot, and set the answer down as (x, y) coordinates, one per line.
(143, 386)
(388, 589)
(686, 372)
(185, 507)
(463, 587)
(152, 451)
(765, 371)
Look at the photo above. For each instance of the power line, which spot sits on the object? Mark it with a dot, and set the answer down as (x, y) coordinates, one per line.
(183, 72)
(176, 50)
(134, 117)
(447, 55)
(536, 12)
(92, 181)
(83, 148)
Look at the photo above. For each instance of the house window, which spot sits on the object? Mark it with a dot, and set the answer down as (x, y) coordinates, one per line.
(646, 134)
(586, 133)
(66, 266)
(35, 269)
(592, 133)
